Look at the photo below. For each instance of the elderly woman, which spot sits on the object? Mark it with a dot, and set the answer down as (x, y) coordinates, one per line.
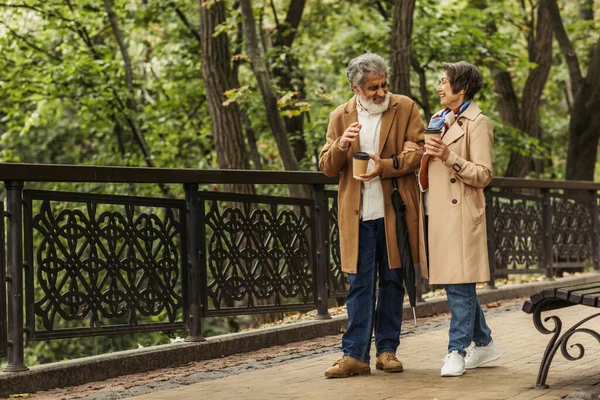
(452, 234)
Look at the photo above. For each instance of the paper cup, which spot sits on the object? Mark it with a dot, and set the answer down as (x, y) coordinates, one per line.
(360, 162)
(432, 133)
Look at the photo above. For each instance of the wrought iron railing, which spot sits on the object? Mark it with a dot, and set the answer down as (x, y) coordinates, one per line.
(102, 264)
(96, 264)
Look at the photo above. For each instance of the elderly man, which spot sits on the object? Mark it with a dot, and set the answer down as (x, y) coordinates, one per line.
(388, 127)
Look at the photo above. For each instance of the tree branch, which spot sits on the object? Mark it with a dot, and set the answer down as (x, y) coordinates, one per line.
(566, 47)
(123, 49)
(382, 10)
(275, 15)
(32, 45)
(186, 22)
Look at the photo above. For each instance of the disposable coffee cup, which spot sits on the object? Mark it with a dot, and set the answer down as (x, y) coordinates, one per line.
(360, 162)
(432, 133)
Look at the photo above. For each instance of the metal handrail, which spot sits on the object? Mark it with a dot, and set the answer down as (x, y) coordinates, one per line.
(111, 174)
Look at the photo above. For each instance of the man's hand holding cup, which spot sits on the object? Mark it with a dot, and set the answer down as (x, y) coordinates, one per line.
(364, 176)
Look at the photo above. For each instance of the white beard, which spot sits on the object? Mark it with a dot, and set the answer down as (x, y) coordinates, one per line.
(373, 108)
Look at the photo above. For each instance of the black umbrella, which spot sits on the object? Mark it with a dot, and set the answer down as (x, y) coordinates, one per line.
(406, 262)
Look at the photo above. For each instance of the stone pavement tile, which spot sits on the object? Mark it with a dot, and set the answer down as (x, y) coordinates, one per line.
(532, 394)
(511, 376)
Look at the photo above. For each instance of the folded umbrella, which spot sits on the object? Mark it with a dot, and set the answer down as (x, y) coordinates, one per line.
(406, 262)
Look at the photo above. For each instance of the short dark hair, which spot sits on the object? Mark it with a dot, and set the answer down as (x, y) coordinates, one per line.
(464, 75)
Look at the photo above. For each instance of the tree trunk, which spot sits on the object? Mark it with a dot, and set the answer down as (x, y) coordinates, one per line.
(584, 127)
(423, 89)
(566, 47)
(259, 67)
(508, 103)
(586, 10)
(507, 100)
(529, 119)
(400, 57)
(228, 136)
(246, 123)
(131, 102)
(290, 77)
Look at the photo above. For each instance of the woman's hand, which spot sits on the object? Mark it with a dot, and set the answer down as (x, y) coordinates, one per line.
(375, 172)
(409, 146)
(437, 148)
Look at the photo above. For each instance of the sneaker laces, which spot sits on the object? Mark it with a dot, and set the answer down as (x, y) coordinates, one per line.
(470, 354)
(447, 356)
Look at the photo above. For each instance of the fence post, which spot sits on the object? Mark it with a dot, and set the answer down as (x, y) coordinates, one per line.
(491, 235)
(3, 327)
(595, 230)
(195, 284)
(14, 278)
(547, 227)
(322, 247)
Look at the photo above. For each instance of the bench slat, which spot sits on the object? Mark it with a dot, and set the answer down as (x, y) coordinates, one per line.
(577, 295)
(549, 292)
(591, 300)
(565, 292)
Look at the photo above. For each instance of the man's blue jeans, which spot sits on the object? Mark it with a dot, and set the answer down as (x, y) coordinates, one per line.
(468, 321)
(363, 315)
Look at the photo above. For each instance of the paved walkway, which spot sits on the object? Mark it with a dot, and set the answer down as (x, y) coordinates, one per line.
(508, 378)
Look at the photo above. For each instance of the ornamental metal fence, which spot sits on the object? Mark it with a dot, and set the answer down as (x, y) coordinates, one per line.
(82, 264)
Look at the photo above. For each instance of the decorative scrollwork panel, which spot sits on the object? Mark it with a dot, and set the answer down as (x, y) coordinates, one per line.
(557, 341)
(259, 255)
(338, 280)
(518, 231)
(103, 264)
(571, 232)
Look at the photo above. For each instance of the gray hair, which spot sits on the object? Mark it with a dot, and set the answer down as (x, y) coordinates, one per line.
(360, 67)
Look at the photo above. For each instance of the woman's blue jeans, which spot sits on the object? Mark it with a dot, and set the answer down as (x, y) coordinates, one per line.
(364, 315)
(468, 321)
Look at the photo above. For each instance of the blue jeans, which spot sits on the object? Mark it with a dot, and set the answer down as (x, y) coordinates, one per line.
(363, 314)
(468, 321)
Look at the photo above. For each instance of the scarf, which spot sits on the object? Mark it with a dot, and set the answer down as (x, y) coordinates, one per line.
(442, 120)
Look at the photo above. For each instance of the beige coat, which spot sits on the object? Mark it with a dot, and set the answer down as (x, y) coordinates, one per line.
(457, 226)
(400, 122)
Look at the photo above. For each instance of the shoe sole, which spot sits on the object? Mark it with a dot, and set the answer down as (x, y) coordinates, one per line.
(381, 368)
(487, 360)
(451, 375)
(349, 374)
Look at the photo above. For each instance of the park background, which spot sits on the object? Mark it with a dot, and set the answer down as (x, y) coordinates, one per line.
(250, 85)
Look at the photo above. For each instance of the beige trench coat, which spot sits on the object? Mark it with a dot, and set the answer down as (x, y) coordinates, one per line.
(400, 122)
(457, 226)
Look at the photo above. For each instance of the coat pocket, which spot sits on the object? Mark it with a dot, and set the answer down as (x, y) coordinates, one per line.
(475, 206)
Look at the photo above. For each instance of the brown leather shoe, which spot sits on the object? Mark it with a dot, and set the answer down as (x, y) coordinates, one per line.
(389, 363)
(347, 366)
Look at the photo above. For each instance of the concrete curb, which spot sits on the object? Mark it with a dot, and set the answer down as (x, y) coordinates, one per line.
(98, 368)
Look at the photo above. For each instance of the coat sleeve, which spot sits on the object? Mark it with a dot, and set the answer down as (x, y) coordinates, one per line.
(409, 162)
(477, 171)
(332, 159)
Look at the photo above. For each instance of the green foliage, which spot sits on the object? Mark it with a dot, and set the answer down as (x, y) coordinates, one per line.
(64, 96)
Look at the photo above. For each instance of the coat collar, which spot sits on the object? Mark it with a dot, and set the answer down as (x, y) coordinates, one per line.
(456, 130)
(471, 112)
(351, 115)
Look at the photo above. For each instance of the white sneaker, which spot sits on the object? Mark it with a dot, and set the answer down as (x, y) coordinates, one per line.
(454, 364)
(482, 355)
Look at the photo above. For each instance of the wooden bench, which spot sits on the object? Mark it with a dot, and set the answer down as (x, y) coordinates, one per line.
(555, 298)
